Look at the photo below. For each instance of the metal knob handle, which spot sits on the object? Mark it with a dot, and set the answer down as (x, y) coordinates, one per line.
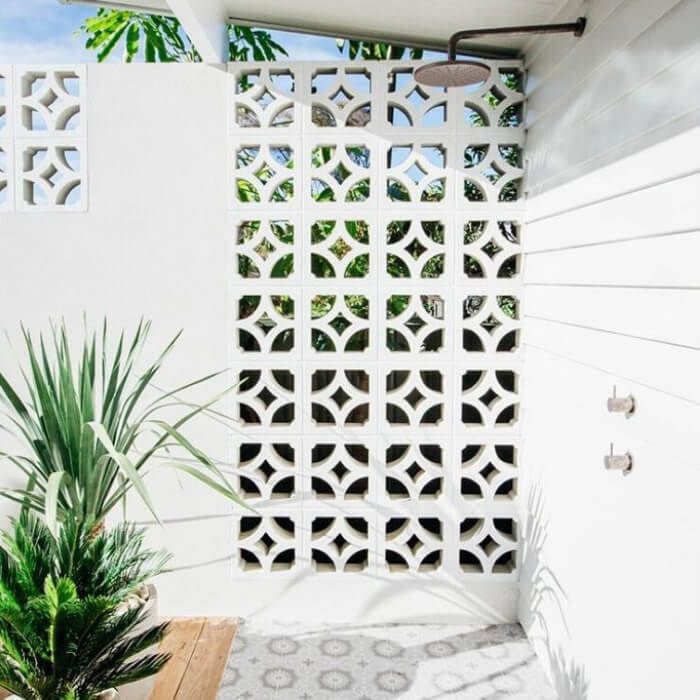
(621, 404)
(621, 462)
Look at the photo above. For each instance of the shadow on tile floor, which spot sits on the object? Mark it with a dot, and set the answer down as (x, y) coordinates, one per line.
(406, 662)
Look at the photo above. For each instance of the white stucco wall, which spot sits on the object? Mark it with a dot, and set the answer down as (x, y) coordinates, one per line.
(153, 243)
(608, 588)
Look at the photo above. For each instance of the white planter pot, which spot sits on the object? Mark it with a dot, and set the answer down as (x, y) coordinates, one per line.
(141, 690)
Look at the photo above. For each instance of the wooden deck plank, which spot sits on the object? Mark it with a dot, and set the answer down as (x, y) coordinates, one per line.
(200, 648)
(180, 641)
(207, 664)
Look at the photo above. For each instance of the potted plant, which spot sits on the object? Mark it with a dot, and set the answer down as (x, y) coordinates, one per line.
(79, 425)
(110, 564)
(59, 646)
(72, 622)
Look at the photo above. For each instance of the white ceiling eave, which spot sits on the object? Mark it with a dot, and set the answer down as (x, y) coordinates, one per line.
(421, 23)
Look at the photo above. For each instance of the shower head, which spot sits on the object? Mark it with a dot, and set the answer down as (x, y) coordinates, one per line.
(453, 73)
(456, 72)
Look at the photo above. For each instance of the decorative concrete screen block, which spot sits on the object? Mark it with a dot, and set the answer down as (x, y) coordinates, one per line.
(43, 138)
(6, 159)
(6, 146)
(51, 174)
(375, 305)
(5, 100)
(50, 101)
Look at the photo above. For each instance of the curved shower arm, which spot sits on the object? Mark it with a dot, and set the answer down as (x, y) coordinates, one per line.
(576, 28)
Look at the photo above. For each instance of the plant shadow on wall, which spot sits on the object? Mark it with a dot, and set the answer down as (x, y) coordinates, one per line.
(546, 599)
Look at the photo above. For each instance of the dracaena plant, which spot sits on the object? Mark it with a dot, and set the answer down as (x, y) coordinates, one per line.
(89, 431)
(59, 645)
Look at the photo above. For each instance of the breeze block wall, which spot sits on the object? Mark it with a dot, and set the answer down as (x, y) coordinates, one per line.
(375, 331)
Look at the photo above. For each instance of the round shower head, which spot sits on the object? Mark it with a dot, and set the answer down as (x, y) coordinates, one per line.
(452, 73)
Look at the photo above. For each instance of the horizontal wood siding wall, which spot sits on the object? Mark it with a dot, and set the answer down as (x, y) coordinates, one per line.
(612, 270)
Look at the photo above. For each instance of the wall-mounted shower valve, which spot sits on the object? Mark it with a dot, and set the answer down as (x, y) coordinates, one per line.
(622, 463)
(622, 404)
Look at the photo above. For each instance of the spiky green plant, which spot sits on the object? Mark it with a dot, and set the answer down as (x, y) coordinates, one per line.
(110, 563)
(79, 425)
(61, 646)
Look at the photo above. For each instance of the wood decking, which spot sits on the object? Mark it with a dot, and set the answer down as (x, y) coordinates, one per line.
(200, 648)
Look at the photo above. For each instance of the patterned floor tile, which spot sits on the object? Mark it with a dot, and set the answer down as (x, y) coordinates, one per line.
(275, 661)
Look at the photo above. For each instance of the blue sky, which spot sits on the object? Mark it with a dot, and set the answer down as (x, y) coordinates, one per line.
(43, 31)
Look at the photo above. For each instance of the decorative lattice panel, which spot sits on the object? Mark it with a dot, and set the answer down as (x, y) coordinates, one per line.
(43, 138)
(375, 307)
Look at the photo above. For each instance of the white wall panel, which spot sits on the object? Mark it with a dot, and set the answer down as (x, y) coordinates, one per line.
(659, 315)
(153, 243)
(609, 569)
(641, 262)
(651, 50)
(611, 239)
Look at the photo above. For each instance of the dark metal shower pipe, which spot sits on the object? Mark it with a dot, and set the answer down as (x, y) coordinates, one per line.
(576, 28)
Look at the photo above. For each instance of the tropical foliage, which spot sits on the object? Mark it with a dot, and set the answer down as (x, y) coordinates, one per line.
(110, 563)
(90, 432)
(161, 38)
(59, 645)
(373, 50)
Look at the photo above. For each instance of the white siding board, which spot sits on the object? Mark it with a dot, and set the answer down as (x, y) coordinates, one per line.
(661, 209)
(664, 261)
(661, 421)
(612, 240)
(616, 54)
(664, 368)
(652, 315)
(543, 54)
(629, 122)
(665, 162)
(608, 107)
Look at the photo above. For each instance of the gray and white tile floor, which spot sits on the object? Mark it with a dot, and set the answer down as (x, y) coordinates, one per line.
(274, 661)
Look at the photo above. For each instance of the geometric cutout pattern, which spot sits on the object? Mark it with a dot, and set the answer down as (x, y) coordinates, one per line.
(266, 250)
(340, 249)
(267, 544)
(415, 323)
(339, 544)
(488, 545)
(340, 323)
(339, 471)
(415, 472)
(375, 311)
(413, 544)
(268, 471)
(43, 149)
(342, 96)
(415, 249)
(265, 324)
(490, 323)
(489, 472)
